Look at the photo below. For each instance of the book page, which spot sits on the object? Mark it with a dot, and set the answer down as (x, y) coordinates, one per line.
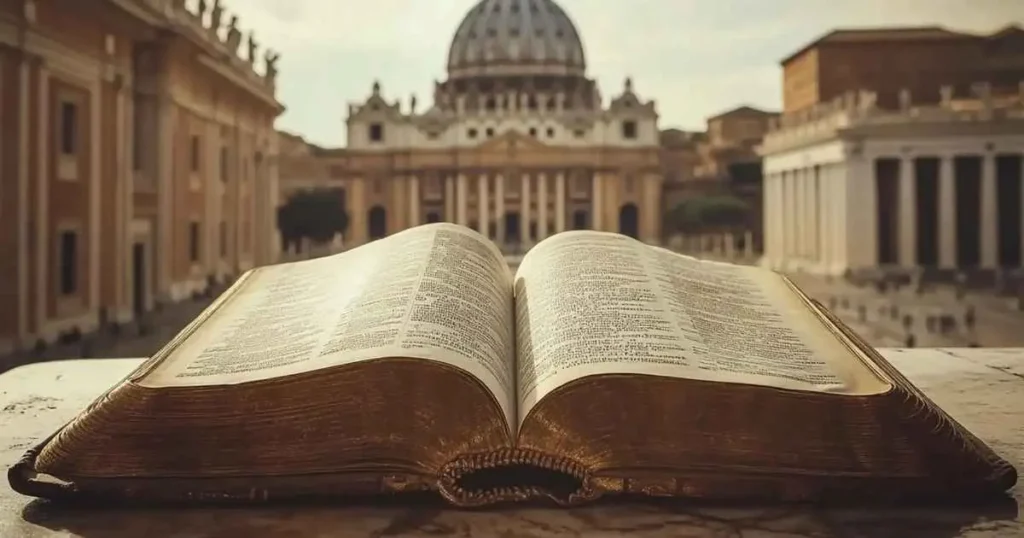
(439, 292)
(591, 303)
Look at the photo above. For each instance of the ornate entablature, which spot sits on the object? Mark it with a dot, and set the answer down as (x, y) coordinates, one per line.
(857, 114)
(228, 50)
(379, 125)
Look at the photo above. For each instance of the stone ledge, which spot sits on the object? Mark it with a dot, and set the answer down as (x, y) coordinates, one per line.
(982, 388)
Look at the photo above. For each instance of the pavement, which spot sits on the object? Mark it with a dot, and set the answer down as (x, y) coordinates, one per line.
(878, 317)
(142, 340)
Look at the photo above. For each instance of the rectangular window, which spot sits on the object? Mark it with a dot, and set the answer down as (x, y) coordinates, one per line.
(224, 163)
(193, 242)
(68, 128)
(68, 262)
(629, 129)
(194, 153)
(376, 132)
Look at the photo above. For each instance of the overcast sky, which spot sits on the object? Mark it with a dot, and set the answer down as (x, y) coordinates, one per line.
(694, 57)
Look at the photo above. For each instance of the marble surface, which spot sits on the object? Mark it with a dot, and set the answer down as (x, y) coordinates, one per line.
(982, 388)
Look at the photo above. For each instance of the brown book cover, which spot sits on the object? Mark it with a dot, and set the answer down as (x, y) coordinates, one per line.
(750, 416)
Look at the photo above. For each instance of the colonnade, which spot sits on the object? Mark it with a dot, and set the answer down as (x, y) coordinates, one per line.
(526, 203)
(948, 211)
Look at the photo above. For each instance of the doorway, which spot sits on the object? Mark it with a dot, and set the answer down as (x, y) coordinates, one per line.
(629, 221)
(377, 222)
(138, 278)
(512, 236)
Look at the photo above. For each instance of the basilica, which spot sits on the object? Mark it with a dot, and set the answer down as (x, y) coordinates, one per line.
(517, 142)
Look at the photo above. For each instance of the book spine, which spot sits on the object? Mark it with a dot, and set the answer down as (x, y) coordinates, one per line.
(514, 474)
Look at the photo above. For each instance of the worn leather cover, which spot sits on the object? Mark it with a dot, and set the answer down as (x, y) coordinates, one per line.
(964, 467)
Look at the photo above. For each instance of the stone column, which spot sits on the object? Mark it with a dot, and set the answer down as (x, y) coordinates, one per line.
(461, 198)
(947, 213)
(840, 225)
(803, 214)
(814, 226)
(729, 244)
(862, 210)
(989, 213)
(748, 244)
(44, 134)
(908, 214)
(125, 196)
(499, 208)
(824, 217)
(524, 222)
(414, 201)
(449, 198)
(560, 202)
(97, 110)
(597, 201)
(788, 216)
(542, 206)
(483, 207)
(24, 119)
(773, 225)
(163, 251)
(213, 186)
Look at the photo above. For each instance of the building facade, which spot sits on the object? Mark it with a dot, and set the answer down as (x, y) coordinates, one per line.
(852, 187)
(135, 160)
(679, 159)
(517, 142)
(889, 61)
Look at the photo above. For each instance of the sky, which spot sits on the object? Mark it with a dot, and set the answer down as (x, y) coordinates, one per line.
(695, 58)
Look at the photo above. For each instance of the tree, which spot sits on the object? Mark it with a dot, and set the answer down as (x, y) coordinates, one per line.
(317, 215)
(708, 213)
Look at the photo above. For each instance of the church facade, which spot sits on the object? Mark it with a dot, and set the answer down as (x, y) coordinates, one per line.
(136, 161)
(517, 142)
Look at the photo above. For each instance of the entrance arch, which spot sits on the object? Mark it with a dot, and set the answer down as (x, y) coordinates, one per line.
(377, 222)
(579, 219)
(629, 220)
(512, 236)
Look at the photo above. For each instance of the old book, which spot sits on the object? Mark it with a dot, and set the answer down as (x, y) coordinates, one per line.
(603, 366)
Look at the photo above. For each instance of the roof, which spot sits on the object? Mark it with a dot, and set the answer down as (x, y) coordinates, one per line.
(869, 35)
(674, 136)
(1007, 30)
(743, 111)
(530, 38)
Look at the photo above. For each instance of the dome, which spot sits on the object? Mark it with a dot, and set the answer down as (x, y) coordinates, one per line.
(515, 38)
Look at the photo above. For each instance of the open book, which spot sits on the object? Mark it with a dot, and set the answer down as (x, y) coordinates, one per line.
(604, 365)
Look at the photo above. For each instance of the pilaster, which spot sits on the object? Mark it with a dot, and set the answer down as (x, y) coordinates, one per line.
(42, 218)
(24, 147)
(96, 112)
